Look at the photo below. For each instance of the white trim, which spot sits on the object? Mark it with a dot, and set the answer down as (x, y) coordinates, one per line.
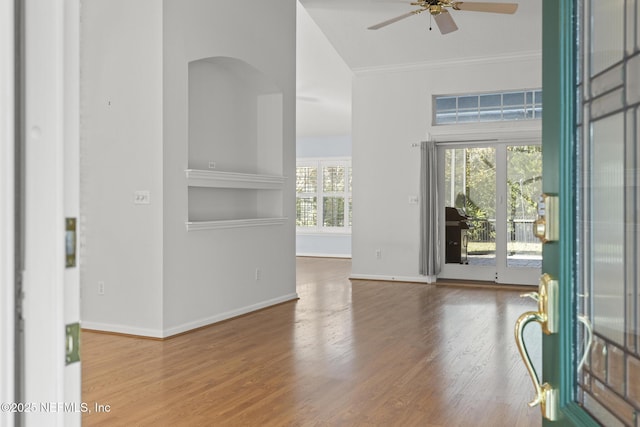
(122, 329)
(322, 255)
(217, 179)
(7, 220)
(228, 315)
(44, 286)
(446, 63)
(233, 223)
(186, 327)
(414, 279)
(313, 231)
(515, 132)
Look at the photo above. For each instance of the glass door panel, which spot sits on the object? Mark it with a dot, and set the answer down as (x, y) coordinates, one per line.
(606, 347)
(524, 186)
(470, 189)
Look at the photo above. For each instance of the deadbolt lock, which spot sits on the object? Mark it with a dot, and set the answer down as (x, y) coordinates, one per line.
(546, 227)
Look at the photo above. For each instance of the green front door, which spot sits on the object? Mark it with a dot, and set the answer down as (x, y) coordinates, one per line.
(591, 156)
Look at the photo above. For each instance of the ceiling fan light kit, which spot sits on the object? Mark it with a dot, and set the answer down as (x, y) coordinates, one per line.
(444, 20)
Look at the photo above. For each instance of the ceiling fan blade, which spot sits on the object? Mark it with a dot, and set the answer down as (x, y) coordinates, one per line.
(392, 20)
(445, 22)
(486, 7)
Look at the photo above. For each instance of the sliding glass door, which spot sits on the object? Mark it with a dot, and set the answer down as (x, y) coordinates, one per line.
(488, 197)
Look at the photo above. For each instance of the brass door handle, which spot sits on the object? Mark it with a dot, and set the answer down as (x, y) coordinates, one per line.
(546, 316)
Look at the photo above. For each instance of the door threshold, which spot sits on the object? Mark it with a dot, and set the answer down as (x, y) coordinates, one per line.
(483, 285)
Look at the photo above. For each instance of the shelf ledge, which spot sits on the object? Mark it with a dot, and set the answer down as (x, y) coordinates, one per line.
(217, 179)
(233, 223)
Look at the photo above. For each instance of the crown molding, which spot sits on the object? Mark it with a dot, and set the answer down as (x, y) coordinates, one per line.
(447, 63)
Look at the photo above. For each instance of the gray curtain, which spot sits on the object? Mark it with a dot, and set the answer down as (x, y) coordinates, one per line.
(429, 211)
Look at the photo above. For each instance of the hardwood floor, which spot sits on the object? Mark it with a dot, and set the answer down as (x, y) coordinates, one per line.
(345, 354)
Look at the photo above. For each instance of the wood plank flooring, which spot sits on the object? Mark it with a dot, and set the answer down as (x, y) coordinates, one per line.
(345, 354)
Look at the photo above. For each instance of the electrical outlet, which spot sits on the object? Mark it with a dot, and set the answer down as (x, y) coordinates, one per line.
(212, 165)
(258, 274)
(100, 288)
(378, 253)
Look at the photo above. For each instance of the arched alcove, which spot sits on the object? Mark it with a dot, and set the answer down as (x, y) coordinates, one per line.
(235, 143)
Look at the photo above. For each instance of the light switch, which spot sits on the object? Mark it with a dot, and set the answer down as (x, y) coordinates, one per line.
(142, 197)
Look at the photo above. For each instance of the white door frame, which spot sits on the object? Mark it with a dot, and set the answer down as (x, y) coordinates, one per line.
(7, 221)
(51, 295)
(499, 139)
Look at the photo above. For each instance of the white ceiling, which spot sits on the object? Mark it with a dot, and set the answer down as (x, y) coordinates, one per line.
(334, 42)
(409, 41)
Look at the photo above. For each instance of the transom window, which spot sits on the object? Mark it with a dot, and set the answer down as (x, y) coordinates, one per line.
(323, 195)
(488, 107)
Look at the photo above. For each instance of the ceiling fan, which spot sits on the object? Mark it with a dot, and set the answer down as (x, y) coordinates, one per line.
(438, 9)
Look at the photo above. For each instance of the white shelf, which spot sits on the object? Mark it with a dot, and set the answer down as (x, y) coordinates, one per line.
(233, 223)
(217, 179)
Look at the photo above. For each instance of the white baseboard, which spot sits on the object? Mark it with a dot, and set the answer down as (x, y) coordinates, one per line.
(227, 315)
(121, 329)
(415, 279)
(317, 255)
(185, 327)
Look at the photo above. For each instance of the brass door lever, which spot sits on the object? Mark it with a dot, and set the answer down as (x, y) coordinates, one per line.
(547, 317)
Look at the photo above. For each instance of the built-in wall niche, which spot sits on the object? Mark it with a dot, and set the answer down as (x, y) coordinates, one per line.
(235, 145)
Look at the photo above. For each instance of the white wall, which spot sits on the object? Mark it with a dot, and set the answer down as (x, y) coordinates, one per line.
(121, 152)
(392, 111)
(210, 275)
(158, 278)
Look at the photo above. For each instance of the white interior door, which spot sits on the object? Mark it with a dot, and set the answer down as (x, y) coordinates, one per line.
(495, 186)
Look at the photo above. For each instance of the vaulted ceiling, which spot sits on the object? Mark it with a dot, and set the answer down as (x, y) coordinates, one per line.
(325, 69)
(410, 41)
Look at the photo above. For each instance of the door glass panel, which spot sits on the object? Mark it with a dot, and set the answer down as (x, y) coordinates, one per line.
(524, 185)
(607, 33)
(470, 188)
(606, 261)
(608, 247)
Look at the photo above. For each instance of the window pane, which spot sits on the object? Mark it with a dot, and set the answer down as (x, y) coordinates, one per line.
(514, 113)
(306, 179)
(444, 118)
(529, 96)
(350, 211)
(445, 103)
(333, 212)
(306, 211)
(539, 97)
(467, 102)
(490, 115)
(513, 98)
(333, 179)
(492, 100)
(350, 172)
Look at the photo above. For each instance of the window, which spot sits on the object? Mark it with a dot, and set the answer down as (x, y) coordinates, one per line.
(488, 107)
(323, 196)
